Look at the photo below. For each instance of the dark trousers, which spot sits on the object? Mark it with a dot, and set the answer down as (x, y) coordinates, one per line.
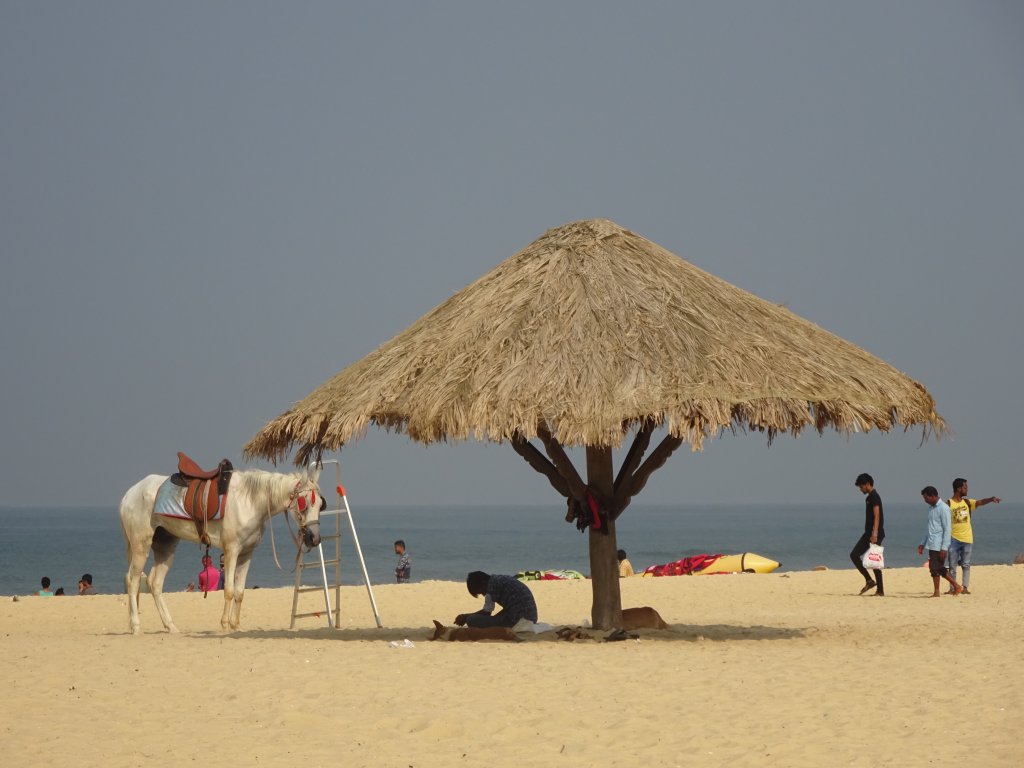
(500, 619)
(858, 552)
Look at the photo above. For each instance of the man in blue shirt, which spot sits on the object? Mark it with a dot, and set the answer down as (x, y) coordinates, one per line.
(936, 540)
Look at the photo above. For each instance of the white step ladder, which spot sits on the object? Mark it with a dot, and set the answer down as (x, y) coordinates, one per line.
(333, 615)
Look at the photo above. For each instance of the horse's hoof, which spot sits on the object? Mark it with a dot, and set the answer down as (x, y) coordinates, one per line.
(135, 630)
(173, 629)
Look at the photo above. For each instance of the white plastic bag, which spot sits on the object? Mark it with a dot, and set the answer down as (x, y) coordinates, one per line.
(874, 557)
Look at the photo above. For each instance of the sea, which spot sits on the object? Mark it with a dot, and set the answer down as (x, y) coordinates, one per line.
(446, 542)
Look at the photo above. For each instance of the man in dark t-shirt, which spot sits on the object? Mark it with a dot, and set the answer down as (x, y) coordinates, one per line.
(874, 533)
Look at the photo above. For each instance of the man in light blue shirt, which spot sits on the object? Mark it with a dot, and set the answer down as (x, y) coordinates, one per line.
(936, 540)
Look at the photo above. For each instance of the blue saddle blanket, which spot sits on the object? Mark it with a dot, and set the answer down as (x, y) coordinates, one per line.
(170, 502)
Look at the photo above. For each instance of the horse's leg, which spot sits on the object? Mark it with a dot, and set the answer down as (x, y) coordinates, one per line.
(233, 607)
(138, 551)
(164, 545)
(230, 563)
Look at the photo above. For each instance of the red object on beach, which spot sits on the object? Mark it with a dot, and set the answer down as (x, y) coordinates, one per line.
(683, 566)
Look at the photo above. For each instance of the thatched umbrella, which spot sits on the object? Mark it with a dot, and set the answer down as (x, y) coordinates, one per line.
(588, 335)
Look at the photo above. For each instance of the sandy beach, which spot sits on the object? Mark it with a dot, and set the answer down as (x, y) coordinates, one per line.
(787, 669)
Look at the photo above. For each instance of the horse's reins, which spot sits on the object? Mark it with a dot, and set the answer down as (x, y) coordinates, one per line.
(295, 536)
(206, 583)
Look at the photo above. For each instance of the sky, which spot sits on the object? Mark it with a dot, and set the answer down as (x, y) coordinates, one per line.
(208, 209)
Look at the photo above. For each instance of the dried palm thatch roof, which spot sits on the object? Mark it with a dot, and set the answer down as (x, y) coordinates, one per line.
(589, 332)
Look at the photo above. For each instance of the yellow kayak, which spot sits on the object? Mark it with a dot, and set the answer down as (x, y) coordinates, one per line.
(747, 562)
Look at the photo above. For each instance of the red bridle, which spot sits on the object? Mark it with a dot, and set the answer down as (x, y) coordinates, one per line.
(301, 501)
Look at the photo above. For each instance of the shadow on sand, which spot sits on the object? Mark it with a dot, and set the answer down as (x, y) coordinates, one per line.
(675, 633)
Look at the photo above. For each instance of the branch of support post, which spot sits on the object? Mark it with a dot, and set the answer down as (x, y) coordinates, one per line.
(585, 505)
(641, 441)
(634, 483)
(577, 488)
(632, 476)
(540, 462)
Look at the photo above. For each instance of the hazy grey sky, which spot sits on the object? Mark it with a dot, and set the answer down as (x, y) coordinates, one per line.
(298, 182)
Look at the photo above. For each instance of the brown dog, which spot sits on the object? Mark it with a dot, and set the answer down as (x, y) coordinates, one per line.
(473, 634)
(642, 618)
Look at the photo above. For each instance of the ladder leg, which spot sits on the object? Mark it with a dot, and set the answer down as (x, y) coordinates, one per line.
(327, 594)
(295, 595)
(337, 562)
(362, 562)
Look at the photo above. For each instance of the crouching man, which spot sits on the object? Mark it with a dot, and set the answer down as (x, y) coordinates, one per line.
(512, 595)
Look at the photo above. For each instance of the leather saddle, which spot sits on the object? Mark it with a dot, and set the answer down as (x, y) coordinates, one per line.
(205, 491)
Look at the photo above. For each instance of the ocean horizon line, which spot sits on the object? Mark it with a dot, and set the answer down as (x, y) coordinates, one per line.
(482, 505)
(448, 541)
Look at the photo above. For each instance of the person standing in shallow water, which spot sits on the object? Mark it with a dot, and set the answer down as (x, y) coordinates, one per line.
(874, 533)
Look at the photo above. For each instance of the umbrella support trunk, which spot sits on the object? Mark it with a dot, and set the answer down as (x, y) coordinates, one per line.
(606, 612)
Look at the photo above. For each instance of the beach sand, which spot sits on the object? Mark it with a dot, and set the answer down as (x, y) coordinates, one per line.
(791, 669)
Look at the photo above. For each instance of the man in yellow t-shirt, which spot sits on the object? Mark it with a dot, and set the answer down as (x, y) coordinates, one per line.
(625, 567)
(961, 508)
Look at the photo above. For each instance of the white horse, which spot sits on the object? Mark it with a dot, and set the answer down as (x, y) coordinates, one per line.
(253, 497)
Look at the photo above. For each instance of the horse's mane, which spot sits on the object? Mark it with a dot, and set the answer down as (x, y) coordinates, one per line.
(261, 483)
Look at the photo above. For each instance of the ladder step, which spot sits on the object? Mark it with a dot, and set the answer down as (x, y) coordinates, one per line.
(306, 588)
(316, 563)
(308, 615)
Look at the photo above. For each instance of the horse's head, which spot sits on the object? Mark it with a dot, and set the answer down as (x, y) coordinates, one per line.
(305, 504)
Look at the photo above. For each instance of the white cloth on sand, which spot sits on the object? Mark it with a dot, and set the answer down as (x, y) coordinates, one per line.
(525, 625)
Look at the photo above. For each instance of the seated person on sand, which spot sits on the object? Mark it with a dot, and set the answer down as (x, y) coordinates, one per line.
(512, 595)
(85, 586)
(625, 567)
(45, 584)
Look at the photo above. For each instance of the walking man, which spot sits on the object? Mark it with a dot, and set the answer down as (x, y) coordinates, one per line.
(961, 508)
(874, 533)
(936, 540)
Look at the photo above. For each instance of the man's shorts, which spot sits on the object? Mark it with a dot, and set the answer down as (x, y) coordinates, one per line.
(936, 563)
